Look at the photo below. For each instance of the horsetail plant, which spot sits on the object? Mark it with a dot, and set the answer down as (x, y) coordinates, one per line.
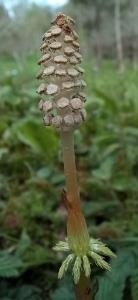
(62, 101)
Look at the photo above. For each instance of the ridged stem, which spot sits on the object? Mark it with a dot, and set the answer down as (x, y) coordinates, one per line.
(82, 289)
(70, 168)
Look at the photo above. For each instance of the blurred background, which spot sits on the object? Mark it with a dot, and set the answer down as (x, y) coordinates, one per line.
(32, 217)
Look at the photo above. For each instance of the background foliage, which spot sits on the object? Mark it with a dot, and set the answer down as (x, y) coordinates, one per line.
(32, 216)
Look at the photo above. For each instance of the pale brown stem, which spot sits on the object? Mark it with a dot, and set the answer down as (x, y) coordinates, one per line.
(70, 167)
(82, 289)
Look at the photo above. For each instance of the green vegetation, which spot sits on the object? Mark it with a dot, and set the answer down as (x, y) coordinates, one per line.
(31, 165)
(31, 179)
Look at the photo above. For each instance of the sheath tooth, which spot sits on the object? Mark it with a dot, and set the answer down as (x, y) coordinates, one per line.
(52, 89)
